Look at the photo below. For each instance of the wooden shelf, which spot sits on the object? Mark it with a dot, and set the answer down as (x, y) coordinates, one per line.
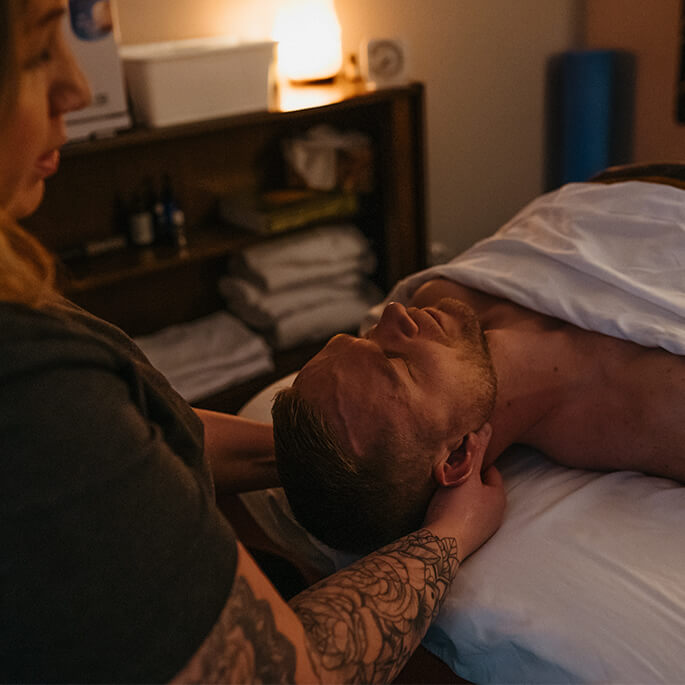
(292, 103)
(82, 274)
(90, 273)
(143, 290)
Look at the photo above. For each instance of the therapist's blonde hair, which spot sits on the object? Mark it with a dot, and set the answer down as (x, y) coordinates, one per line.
(27, 271)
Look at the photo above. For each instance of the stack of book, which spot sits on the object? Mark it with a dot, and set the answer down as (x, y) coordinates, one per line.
(276, 211)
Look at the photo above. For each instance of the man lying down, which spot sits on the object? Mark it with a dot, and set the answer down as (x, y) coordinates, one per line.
(563, 331)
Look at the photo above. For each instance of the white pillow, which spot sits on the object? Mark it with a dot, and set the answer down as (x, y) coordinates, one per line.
(584, 581)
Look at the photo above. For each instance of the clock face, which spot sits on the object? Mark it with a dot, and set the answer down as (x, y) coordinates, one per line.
(386, 60)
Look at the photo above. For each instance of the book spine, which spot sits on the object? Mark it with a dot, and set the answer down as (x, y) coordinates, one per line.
(334, 208)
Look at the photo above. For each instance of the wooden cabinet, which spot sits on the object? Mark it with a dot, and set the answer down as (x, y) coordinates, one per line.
(144, 289)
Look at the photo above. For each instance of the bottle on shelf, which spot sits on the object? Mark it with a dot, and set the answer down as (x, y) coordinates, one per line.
(168, 197)
(178, 229)
(140, 223)
(173, 215)
(155, 206)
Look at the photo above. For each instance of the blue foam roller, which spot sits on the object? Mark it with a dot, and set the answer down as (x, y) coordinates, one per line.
(587, 77)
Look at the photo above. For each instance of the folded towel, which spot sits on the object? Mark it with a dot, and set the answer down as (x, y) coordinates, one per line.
(323, 252)
(262, 309)
(323, 320)
(200, 384)
(208, 354)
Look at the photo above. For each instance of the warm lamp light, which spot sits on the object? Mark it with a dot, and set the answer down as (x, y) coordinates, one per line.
(309, 41)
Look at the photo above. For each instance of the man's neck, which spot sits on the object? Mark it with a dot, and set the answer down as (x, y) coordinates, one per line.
(532, 381)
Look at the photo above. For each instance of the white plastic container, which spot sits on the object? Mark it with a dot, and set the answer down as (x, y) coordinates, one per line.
(193, 80)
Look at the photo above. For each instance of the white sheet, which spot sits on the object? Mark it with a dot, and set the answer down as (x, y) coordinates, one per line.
(585, 581)
(607, 258)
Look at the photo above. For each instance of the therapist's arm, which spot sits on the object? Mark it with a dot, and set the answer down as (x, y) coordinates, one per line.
(240, 451)
(360, 624)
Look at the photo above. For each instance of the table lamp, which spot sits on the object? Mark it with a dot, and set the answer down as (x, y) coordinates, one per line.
(309, 41)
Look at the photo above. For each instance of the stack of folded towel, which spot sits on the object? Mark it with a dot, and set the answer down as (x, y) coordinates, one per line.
(303, 287)
(209, 354)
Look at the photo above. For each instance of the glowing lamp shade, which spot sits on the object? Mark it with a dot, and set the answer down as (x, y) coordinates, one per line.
(309, 41)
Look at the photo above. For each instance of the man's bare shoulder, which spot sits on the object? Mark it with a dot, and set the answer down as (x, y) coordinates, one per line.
(622, 408)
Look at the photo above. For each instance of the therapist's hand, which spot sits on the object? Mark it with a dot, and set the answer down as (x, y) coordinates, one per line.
(471, 512)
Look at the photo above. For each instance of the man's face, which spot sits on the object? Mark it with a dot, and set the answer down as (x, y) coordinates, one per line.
(418, 373)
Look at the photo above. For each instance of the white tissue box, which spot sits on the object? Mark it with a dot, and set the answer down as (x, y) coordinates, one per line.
(193, 80)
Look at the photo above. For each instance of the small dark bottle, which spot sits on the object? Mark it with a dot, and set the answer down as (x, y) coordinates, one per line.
(173, 215)
(156, 208)
(178, 229)
(168, 198)
(141, 225)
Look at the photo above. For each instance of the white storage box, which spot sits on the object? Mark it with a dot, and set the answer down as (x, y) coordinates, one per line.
(192, 80)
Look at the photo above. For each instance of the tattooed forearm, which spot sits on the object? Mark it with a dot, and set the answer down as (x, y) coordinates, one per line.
(366, 620)
(245, 646)
(361, 624)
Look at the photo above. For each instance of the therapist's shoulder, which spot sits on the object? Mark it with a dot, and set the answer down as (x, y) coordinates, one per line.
(62, 400)
(66, 395)
(40, 338)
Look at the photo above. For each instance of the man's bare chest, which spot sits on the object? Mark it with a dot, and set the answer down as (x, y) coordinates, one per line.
(623, 406)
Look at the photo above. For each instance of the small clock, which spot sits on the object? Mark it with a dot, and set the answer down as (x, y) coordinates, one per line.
(384, 61)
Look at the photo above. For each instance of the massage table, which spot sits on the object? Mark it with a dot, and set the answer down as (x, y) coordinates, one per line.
(585, 580)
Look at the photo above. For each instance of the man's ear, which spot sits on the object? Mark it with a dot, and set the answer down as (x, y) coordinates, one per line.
(457, 466)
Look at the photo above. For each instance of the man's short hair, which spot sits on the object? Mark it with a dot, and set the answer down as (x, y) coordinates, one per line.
(349, 503)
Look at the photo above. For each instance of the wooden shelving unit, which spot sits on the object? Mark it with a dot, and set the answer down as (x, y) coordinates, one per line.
(142, 290)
